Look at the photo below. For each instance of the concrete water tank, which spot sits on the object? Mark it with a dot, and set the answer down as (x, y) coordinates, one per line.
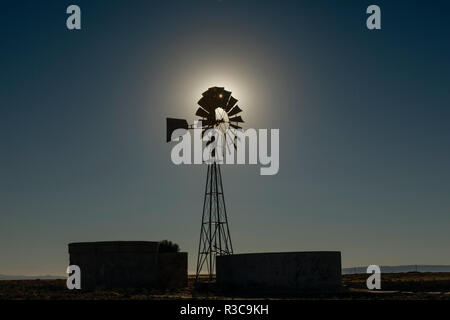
(128, 264)
(280, 271)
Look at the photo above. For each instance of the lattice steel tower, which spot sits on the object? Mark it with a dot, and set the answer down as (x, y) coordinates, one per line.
(215, 236)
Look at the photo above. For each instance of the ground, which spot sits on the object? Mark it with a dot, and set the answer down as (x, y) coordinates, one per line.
(397, 286)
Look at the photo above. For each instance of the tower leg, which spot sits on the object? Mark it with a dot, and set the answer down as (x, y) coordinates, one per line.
(214, 232)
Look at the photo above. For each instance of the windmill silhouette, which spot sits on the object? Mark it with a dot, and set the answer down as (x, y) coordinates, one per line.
(218, 110)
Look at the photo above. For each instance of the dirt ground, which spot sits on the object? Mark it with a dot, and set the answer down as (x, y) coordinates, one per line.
(394, 286)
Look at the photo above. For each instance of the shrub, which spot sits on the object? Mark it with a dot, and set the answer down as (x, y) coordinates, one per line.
(168, 246)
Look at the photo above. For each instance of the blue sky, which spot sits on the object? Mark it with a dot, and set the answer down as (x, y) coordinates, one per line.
(363, 118)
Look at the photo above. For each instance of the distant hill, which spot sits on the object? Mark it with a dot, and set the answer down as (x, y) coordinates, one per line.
(46, 277)
(352, 270)
(400, 269)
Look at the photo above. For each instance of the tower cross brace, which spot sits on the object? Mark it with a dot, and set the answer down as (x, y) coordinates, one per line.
(215, 237)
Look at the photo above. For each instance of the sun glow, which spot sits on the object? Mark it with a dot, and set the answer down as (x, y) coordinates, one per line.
(196, 65)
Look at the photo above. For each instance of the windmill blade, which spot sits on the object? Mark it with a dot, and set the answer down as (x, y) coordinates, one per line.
(230, 104)
(209, 103)
(235, 126)
(206, 103)
(208, 123)
(217, 89)
(212, 89)
(217, 97)
(234, 111)
(224, 96)
(236, 119)
(202, 113)
(173, 124)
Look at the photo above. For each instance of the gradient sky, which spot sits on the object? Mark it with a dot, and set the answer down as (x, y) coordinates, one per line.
(363, 118)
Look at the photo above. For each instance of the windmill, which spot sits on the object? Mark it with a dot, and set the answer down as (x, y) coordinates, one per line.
(218, 110)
